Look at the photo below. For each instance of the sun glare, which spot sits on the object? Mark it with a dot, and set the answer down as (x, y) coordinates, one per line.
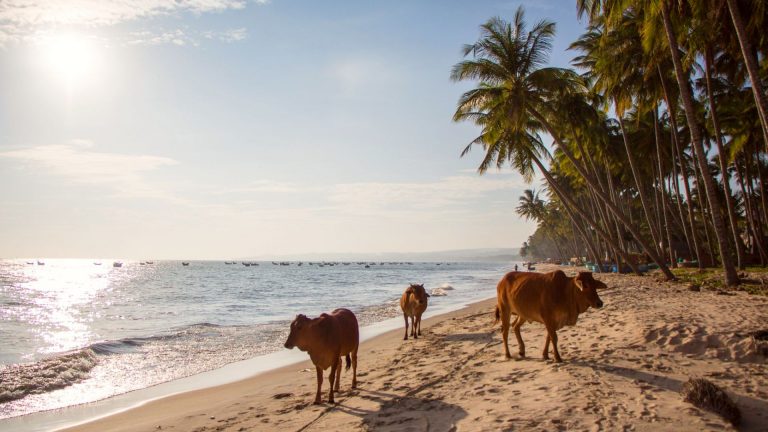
(71, 58)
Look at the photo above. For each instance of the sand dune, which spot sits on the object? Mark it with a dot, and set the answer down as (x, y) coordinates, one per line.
(624, 366)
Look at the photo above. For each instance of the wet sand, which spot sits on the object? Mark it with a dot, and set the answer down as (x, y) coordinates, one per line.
(624, 366)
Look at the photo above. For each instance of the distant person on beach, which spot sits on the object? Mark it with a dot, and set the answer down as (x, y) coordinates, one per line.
(326, 339)
(515, 267)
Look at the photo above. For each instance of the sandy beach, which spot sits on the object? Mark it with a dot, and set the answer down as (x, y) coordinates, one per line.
(624, 366)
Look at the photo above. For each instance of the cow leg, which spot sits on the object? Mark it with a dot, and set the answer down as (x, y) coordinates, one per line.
(553, 336)
(354, 368)
(516, 326)
(505, 332)
(331, 378)
(406, 327)
(338, 375)
(318, 401)
(413, 327)
(419, 323)
(545, 354)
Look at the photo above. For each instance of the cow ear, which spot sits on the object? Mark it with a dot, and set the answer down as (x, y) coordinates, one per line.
(324, 322)
(578, 284)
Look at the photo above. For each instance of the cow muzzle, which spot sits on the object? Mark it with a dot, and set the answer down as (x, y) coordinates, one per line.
(599, 304)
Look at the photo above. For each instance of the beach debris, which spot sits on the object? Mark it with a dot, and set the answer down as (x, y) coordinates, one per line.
(706, 395)
(438, 292)
(694, 287)
(760, 342)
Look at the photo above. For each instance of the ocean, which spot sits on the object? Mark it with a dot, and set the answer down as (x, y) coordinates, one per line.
(79, 331)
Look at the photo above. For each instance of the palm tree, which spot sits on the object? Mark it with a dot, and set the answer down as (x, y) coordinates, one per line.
(531, 206)
(610, 61)
(750, 60)
(614, 10)
(517, 98)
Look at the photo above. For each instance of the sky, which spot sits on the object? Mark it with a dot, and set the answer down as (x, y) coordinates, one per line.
(210, 129)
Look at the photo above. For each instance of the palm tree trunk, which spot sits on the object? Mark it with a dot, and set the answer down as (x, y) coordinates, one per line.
(567, 202)
(721, 158)
(636, 176)
(706, 220)
(651, 252)
(731, 278)
(683, 169)
(664, 200)
(749, 212)
(679, 204)
(761, 184)
(752, 68)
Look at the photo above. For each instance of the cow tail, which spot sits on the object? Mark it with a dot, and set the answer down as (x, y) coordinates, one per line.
(498, 316)
(349, 362)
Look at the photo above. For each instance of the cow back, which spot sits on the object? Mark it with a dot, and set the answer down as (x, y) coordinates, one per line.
(541, 297)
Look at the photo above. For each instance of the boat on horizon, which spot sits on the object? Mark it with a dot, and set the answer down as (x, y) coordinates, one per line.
(117, 264)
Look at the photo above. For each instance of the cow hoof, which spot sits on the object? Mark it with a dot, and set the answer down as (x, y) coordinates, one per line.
(405, 338)
(508, 356)
(317, 402)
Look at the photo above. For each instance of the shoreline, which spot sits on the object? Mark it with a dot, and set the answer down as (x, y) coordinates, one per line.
(624, 366)
(233, 373)
(153, 410)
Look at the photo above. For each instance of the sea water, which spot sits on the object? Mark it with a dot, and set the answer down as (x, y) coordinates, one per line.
(78, 331)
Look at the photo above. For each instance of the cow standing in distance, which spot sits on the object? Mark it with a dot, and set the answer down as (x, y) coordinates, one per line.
(553, 299)
(326, 339)
(413, 303)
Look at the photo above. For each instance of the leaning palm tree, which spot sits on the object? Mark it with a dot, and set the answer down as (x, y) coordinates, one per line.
(517, 98)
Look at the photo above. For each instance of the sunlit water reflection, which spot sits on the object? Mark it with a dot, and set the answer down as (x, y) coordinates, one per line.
(74, 332)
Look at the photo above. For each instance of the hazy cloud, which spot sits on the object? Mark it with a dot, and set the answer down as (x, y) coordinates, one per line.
(77, 162)
(22, 19)
(449, 193)
(354, 75)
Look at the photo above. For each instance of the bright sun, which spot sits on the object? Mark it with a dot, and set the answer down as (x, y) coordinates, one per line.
(71, 58)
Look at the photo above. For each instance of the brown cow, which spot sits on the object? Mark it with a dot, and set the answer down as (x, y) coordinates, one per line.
(413, 303)
(327, 338)
(553, 299)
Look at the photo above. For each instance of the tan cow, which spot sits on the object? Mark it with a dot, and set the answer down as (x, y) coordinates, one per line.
(413, 303)
(327, 338)
(553, 299)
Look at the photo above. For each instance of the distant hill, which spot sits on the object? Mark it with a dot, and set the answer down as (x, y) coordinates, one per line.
(461, 255)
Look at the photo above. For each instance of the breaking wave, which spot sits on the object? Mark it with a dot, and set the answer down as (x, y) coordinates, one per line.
(52, 373)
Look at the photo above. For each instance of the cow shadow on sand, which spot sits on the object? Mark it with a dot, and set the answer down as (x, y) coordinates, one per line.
(750, 407)
(469, 337)
(397, 413)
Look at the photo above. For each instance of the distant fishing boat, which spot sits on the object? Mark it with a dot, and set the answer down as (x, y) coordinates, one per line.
(40, 262)
(96, 263)
(117, 264)
(30, 262)
(184, 263)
